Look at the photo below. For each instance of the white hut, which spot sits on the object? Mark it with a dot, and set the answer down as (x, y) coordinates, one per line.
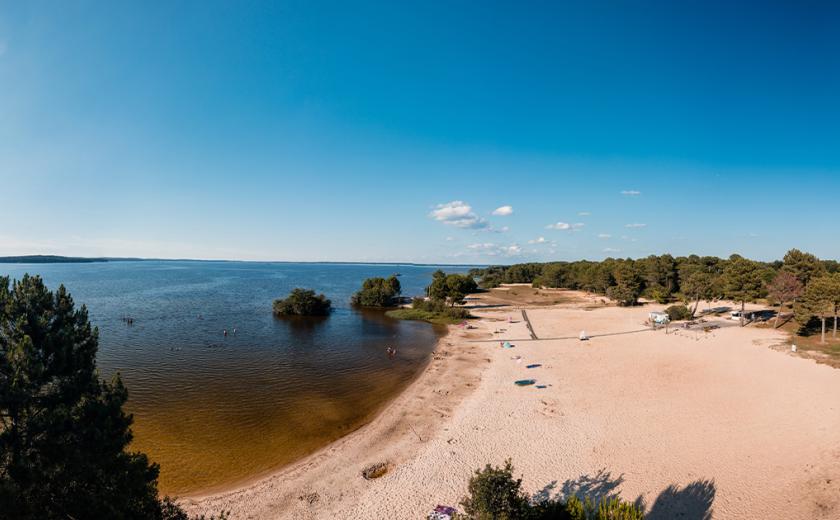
(659, 318)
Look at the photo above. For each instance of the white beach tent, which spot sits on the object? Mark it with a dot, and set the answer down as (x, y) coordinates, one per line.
(659, 318)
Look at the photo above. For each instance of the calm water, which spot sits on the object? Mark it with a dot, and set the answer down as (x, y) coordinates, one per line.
(213, 410)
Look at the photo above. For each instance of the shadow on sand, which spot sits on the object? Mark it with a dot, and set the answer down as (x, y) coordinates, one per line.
(691, 502)
(598, 486)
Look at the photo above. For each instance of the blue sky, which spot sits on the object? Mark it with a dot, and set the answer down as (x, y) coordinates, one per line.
(392, 132)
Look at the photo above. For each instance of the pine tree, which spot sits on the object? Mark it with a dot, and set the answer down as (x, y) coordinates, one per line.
(804, 266)
(819, 300)
(64, 433)
(742, 281)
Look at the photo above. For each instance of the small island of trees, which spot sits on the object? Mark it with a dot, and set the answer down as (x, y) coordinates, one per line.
(378, 292)
(302, 302)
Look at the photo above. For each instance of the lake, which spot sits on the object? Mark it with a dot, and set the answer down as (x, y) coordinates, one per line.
(216, 410)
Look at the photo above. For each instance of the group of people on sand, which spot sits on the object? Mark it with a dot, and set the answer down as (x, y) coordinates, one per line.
(391, 351)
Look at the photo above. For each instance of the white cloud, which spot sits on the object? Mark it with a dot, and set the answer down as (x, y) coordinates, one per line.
(503, 211)
(584, 213)
(611, 250)
(565, 226)
(539, 240)
(631, 193)
(635, 225)
(562, 226)
(450, 239)
(604, 235)
(459, 214)
(491, 249)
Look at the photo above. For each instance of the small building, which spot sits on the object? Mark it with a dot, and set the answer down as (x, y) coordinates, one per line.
(659, 318)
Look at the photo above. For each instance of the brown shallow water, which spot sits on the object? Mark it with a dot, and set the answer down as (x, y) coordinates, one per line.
(224, 431)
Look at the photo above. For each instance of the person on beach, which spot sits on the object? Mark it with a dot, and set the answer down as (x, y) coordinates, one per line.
(224, 332)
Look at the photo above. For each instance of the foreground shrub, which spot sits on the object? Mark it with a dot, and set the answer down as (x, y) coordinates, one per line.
(609, 508)
(678, 312)
(495, 495)
(302, 302)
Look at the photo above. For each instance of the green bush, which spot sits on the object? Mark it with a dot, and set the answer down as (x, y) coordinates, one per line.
(302, 302)
(659, 295)
(495, 494)
(431, 311)
(678, 312)
(439, 307)
(609, 508)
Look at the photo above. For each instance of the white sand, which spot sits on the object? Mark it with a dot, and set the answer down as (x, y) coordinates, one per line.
(741, 430)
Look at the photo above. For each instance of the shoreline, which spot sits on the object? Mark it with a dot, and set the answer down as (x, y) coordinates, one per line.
(441, 331)
(395, 432)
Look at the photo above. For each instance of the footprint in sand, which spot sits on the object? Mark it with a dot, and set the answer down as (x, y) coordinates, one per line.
(549, 408)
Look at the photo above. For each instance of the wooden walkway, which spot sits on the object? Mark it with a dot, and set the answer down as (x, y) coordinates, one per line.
(528, 323)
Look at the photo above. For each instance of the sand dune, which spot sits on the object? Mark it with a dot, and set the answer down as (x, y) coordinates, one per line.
(694, 424)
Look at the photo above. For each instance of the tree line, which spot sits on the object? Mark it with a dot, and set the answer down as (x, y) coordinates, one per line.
(800, 279)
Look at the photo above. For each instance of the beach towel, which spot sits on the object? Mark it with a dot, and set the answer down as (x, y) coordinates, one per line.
(442, 513)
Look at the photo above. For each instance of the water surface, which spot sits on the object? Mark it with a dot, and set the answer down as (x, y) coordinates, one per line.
(214, 410)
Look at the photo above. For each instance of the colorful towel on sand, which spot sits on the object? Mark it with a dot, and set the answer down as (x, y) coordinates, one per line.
(442, 513)
(524, 382)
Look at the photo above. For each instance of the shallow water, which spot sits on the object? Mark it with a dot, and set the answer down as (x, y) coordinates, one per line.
(214, 410)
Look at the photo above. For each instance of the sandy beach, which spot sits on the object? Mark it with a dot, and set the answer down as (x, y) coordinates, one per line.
(693, 424)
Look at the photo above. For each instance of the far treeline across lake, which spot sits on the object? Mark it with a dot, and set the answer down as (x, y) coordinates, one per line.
(801, 280)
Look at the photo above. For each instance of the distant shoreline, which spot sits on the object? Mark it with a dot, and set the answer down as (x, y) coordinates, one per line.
(58, 259)
(49, 259)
